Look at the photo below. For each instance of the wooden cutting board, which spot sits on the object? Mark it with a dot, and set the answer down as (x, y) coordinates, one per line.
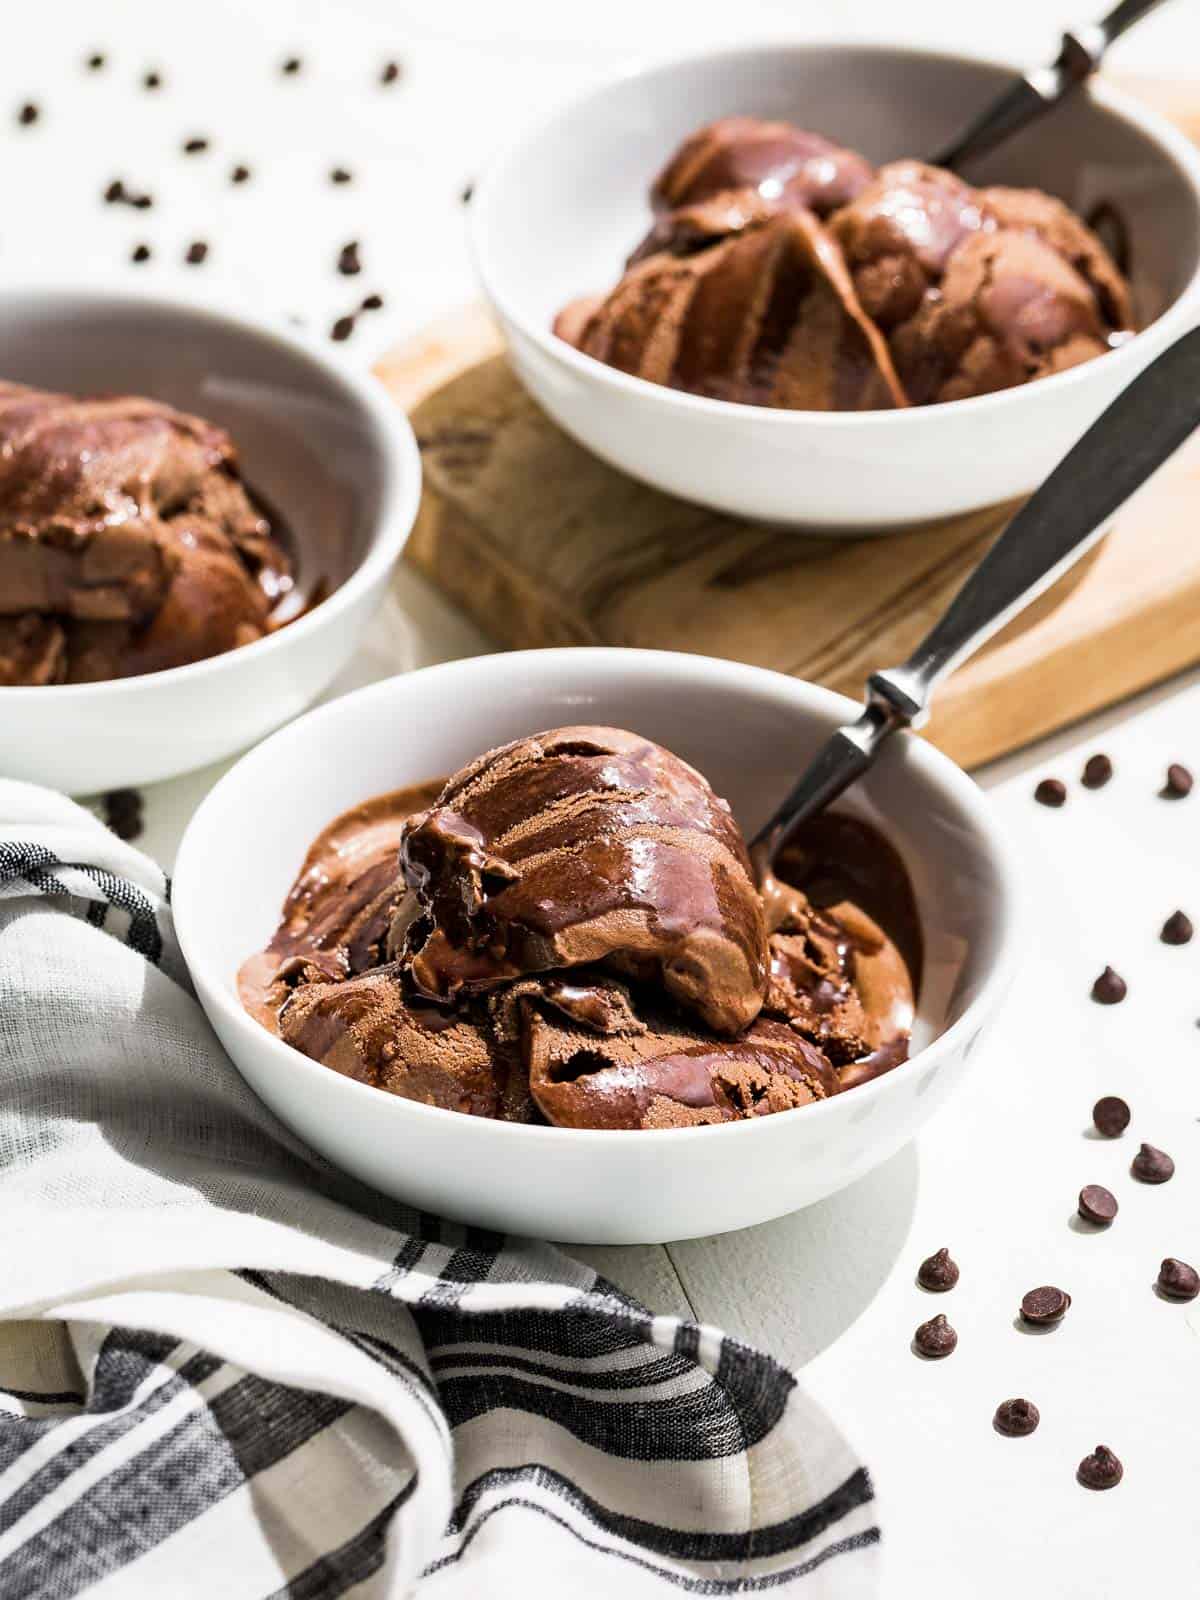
(542, 544)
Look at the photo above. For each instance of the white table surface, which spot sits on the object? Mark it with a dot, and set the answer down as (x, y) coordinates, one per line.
(829, 1290)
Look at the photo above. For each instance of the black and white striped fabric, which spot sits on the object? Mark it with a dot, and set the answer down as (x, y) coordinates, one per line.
(226, 1370)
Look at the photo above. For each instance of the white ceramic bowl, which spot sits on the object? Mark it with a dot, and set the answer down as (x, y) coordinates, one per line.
(748, 730)
(556, 216)
(323, 444)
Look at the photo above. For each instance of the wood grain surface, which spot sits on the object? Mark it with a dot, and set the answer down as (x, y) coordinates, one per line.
(543, 544)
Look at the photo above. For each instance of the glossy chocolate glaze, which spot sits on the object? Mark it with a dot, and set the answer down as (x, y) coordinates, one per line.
(568, 847)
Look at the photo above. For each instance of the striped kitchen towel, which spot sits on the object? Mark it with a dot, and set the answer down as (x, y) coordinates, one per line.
(227, 1370)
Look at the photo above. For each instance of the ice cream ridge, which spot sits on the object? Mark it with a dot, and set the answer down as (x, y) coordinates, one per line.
(569, 931)
(783, 270)
(128, 542)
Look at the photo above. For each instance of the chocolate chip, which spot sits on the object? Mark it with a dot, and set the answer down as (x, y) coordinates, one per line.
(1178, 784)
(341, 175)
(196, 253)
(1100, 1470)
(937, 1273)
(1097, 1204)
(152, 80)
(29, 113)
(390, 73)
(348, 263)
(1177, 1280)
(141, 252)
(373, 302)
(193, 147)
(465, 197)
(342, 328)
(95, 62)
(123, 812)
(1016, 1418)
(1151, 1165)
(1177, 929)
(1109, 988)
(292, 65)
(1045, 1305)
(1051, 792)
(114, 192)
(934, 1339)
(141, 202)
(1111, 1116)
(1097, 770)
(239, 174)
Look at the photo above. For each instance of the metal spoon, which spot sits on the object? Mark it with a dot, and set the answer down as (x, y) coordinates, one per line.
(1145, 424)
(1041, 89)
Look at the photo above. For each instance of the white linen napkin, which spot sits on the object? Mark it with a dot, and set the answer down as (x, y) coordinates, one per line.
(226, 1369)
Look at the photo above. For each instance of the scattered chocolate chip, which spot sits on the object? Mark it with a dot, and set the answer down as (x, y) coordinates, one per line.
(123, 812)
(1100, 1470)
(1151, 1165)
(95, 62)
(341, 175)
(390, 73)
(193, 147)
(935, 1339)
(1177, 929)
(467, 191)
(1177, 1280)
(1111, 1116)
(118, 194)
(196, 253)
(1016, 1418)
(29, 113)
(342, 328)
(152, 80)
(1097, 1204)
(1045, 1305)
(140, 252)
(1109, 988)
(1179, 782)
(937, 1273)
(292, 66)
(1051, 792)
(348, 263)
(1097, 770)
(373, 302)
(239, 174)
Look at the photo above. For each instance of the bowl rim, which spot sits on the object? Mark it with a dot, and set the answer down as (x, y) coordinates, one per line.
(394, 442)
(1176, 319)
(610, 663)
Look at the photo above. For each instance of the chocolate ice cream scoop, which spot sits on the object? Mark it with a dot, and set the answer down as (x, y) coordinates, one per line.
(1057, 226)
(585, 845)
(900, 231)
(646, 1068)
(369, 1029)
(781, 270)
(740, 170)
(127, 522)
(1010, 309)
(767, 317)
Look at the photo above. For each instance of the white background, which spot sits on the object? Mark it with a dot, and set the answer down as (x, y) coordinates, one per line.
(995, 1178)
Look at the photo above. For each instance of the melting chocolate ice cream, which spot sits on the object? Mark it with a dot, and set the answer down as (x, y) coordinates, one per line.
(783, 270)
(569, 931)
(128, 542)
